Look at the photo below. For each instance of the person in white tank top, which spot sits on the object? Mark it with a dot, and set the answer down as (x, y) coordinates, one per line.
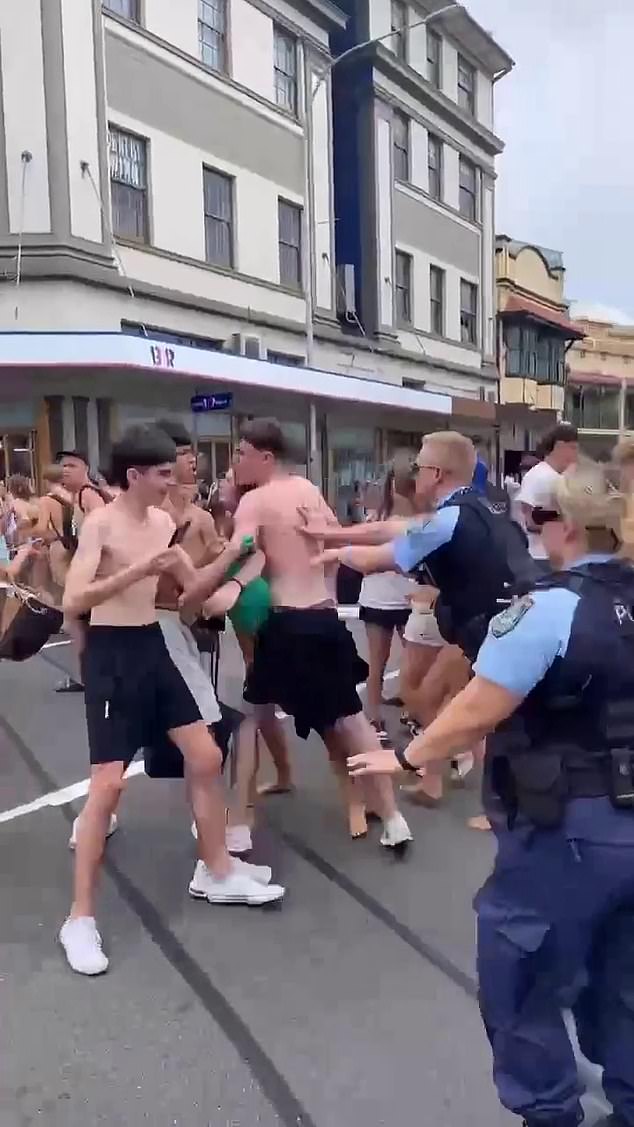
(384, 602)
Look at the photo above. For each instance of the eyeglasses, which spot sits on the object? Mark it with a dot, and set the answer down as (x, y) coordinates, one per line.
(540, 516)
(417, 467)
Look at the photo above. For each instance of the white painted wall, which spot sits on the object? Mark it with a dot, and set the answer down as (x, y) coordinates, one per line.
(451, 164)
(379, 12)
(323, 267)
(175, 172)
(81, 117)
(417, 44)
(484, 100)
(383, 142)
(449, 70)
(488, 279)
(418, 141)
(301, 22)
(24, 114)
(177, 23)
(252, 48)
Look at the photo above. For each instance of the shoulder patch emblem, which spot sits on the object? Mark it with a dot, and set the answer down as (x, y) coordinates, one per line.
(508, 619)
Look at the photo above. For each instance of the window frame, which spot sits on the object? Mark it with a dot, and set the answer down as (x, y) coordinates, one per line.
(435, 143)
(144, 192)
(437, 305)
(135, 5)
(400, 38)
(223, 7)
(229, 223)
(403, 153)
(403, 318)
(298, 209)
(435, 75)
(467, 93)
(470, 326)
(465, 163)
(281, 33)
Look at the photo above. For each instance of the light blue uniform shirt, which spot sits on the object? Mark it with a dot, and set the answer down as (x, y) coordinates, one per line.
(424, 537)
(520, 659)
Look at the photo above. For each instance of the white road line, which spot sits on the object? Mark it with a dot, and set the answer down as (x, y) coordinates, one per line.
(52, 645)
(63, 796)
(78, 790)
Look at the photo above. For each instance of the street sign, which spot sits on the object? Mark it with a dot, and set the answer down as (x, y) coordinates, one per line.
(221, 401)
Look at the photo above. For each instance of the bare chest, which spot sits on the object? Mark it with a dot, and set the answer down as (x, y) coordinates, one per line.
(126, 543)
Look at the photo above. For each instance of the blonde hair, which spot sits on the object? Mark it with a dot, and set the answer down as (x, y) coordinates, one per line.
(585, 496)
(455, 453)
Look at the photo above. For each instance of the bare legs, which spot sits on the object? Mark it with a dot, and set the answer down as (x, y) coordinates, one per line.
(275, 740)
(447, 676)
(379, 646)
(203, 766)
(106, 787)
(416, 663)
(350, 735)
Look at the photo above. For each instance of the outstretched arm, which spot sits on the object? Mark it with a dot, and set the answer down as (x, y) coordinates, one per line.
(366, 560)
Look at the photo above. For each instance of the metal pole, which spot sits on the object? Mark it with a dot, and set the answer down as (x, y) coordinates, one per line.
(310, 93)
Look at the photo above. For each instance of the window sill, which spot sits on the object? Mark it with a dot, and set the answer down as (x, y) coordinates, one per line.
(420, 193)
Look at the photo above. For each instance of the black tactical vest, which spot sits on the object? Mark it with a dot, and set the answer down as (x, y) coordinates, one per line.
(479, 569)
(573, 735)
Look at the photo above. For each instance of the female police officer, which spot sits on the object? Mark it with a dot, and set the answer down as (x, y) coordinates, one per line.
(554, 682)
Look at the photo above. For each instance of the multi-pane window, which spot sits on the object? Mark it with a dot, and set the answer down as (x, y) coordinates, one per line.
(290, 244)
(434, 165)
(400, 146)
(218, 205)
(403, 288)
(128, 185)
(468, 312)
(434, 58)
(534, 354)
(285, 69)
(468, 178)
(437, 300)
(399, 26)
(127, 8)
(212, 33)
(595, 407)
(466, 85)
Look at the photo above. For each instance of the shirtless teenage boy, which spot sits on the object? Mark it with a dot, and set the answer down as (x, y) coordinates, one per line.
(305, 659)
(134, 690)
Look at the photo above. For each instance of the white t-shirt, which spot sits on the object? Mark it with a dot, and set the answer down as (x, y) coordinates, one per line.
(536, 489)
(387, 590)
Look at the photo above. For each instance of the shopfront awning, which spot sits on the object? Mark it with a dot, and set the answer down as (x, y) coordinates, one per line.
(551, 317)
(117, 351)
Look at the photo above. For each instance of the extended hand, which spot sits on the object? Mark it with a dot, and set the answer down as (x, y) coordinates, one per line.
(315, 526)
(168, 560)
(374, 763)
(328, 556)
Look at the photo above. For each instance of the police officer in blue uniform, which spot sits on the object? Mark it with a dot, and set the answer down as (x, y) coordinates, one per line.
(466, 546)
(554, 682)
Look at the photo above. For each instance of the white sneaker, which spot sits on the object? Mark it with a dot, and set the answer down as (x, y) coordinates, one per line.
(237, 888)
(114, 825)
(261, 873)
(461, 766)
(396, 831)
(82, 943)
(238, 839)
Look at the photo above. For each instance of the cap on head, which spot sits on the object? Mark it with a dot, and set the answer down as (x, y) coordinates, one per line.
(80, 455)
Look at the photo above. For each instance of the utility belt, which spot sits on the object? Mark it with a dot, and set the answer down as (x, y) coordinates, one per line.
(539, 784)
(468, 635)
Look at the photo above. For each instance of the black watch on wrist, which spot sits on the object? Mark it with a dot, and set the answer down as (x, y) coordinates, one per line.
(404, 761)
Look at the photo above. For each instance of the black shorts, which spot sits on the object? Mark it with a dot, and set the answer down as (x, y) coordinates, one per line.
(306, 662)
(133, 691)
(394, 619)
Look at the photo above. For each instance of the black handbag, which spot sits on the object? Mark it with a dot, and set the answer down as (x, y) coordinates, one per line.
(163, 760)
(26, 623)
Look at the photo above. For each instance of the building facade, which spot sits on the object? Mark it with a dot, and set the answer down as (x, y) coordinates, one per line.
(158, 165)
(600, 391)
(534, 337)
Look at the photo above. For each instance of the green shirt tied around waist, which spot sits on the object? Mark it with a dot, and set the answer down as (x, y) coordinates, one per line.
(254, 605)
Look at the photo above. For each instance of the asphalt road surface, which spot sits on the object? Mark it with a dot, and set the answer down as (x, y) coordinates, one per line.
(352, 1005)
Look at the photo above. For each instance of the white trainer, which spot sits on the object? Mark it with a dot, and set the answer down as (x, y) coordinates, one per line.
(82, 944)
(396, 831)
(261, 873)
(114, 825)
(237, 888)
(238, 839)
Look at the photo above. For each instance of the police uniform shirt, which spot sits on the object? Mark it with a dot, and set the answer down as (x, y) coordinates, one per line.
(521, 645)
(424, 537)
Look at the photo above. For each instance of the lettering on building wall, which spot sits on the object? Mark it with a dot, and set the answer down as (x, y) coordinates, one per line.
(162, 357)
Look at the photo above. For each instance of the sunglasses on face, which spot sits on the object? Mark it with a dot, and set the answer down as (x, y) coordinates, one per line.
(540, 516)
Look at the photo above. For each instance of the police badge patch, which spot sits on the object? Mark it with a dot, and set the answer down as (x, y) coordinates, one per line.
(508, 619)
